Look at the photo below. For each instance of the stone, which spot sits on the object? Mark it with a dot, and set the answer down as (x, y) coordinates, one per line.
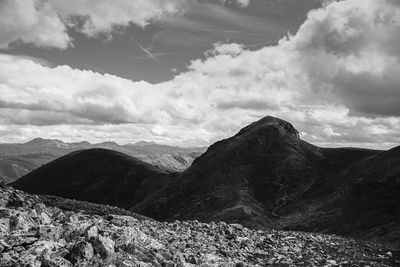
(168, 264)
(8, 258)
(49, 232)
(44, 218)
(43, 247)
(331, 262)
(81, 251)
(15, 200)
(5, 213)
(33, 213)
(91, 233)
(20, 240)
(4, 226)
(56, 262)
(102, 245)
(39, 207)
(21, 221)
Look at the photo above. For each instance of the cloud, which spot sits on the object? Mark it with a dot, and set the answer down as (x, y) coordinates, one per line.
(32, 22)
(45, 23)
(78, 96)
(240, 3)
(336, 79)
(350, 50)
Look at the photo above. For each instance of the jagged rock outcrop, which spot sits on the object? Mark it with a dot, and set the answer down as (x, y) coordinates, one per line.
(35, 234)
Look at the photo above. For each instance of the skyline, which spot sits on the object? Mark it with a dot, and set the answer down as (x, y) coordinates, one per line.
(190, 73)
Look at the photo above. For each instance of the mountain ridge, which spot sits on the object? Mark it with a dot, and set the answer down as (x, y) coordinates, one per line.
(266, 177)
(15, 160)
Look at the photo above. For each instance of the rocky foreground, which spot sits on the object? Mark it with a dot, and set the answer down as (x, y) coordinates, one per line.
(35, 234)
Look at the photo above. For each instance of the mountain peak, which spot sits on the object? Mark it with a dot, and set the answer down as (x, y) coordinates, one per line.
(269, 121)
(46, 142)
(144, 143)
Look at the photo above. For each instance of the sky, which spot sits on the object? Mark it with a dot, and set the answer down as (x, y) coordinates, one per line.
(192, 72)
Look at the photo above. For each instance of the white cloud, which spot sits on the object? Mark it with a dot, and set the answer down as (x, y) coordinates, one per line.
(101, 16)
(31, 22)
(45, 23)
(240, 3)
(336, 79)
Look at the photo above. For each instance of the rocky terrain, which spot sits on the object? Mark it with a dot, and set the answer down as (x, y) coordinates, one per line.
(61, 233)
(17, 159)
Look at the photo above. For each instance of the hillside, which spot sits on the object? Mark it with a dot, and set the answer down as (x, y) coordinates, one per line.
(267, 177)
(17, 159)
(96, 175)
(36, 234)
(13, 167)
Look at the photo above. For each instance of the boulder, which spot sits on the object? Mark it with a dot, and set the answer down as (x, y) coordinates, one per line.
(49, 232)
(81, 251)
(104, 246)
(91, 233)
(21, 221)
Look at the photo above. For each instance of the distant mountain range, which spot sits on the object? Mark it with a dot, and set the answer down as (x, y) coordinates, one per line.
(263, 177)
(19, 159)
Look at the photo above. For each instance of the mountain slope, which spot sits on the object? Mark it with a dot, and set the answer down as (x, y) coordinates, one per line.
(236, 180)
(19, 159)
(13, 167)
(266, 176)
(96, 175)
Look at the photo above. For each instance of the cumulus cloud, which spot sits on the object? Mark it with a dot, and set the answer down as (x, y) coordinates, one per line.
(31, 22)
(77, 96)
(336, 79)
(349, 48)
(45, 23)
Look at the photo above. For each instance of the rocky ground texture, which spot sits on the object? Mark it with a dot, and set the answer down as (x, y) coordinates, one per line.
(36, 234)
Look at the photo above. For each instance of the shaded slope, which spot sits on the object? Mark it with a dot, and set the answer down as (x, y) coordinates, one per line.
(96, 175)
(265, 176)
(356, 199)
(241, 179)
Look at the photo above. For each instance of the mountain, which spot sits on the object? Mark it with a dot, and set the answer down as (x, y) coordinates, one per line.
(264, 177)
(17, 160)
(267, 177)
(95, 175)
(42, 231)
(13, 167)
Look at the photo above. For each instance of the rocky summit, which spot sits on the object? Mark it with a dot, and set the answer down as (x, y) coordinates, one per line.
(33, 233)
(267, 177)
